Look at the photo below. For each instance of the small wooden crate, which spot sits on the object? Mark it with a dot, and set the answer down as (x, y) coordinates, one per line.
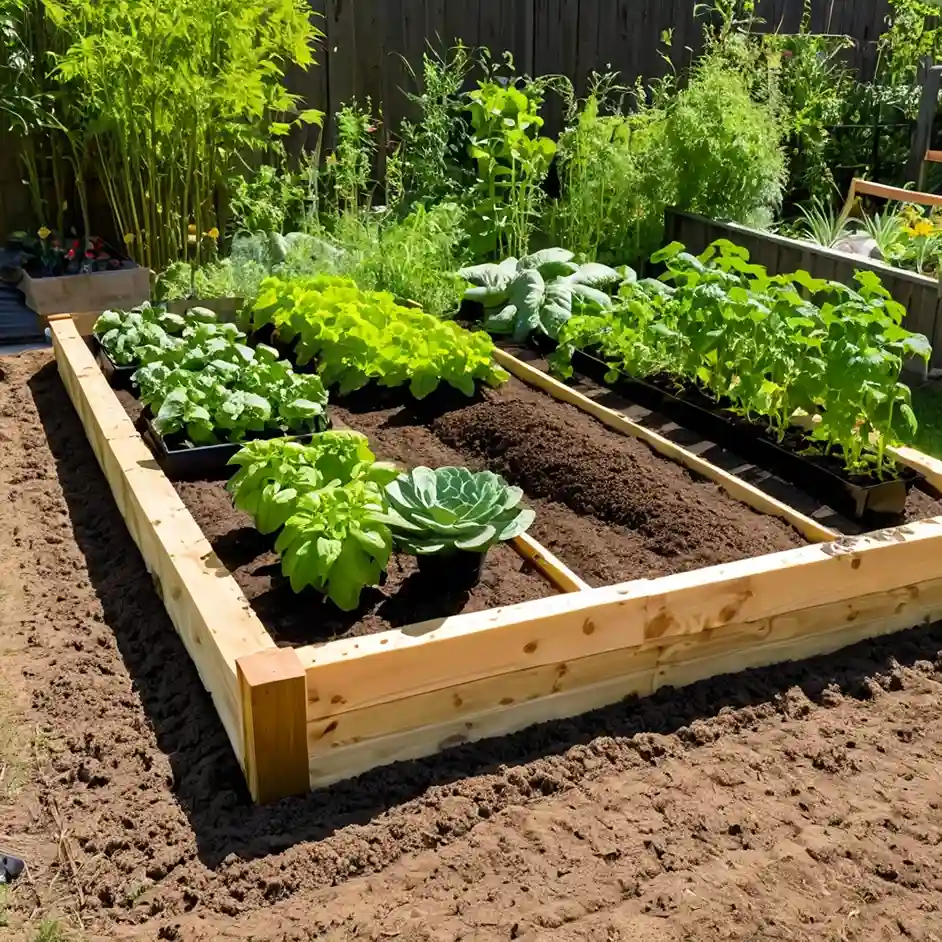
(93, 293)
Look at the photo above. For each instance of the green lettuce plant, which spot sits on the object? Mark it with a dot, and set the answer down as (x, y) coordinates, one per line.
(357, 337)
(538, 293)
(274, 474)
(453, 509)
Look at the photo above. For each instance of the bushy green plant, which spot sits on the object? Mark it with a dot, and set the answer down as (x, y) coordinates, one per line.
(125, 334)
(538, 293)
(168, 97)
(328, 501)
(453, 509)
(273, 474)
(268, 199)
(358, 337)
(722, 149)
(512, 161)
(431, 150)
(759, 343)
(414, 258)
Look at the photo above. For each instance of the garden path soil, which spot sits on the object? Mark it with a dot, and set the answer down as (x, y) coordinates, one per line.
(796, 803)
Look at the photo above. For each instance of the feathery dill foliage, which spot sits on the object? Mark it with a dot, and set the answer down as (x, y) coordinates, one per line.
(723, 149)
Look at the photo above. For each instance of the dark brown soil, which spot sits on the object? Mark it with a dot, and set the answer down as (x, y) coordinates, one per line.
(795, 803)
(404, 599)
(606, 505)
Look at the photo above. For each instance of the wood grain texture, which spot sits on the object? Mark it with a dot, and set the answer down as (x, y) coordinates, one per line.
(361, 672)
(504, 703)
(95, 292)
(273, 695)
(205, 604)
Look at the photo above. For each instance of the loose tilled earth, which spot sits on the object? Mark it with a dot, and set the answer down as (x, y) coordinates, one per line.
(797, 803)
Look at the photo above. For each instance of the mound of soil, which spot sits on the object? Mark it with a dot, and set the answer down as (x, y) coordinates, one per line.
(798, 802)
(607, 505)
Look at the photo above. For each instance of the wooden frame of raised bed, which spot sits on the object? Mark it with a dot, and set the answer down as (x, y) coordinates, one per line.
(303, 718)
(919, 294)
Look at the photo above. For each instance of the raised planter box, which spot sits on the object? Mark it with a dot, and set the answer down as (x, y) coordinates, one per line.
(303, 718)
(93, 293)
(919, 294)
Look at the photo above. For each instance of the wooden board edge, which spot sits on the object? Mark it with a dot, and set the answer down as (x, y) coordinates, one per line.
(348, 761)
(208, 610)
(273, 696)
(929, 467)
(553, 569)
(355, 673)
(668, 659)
(735, 487)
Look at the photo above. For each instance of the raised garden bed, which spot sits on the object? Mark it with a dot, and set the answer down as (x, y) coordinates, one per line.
(919, 294)
(304, 717)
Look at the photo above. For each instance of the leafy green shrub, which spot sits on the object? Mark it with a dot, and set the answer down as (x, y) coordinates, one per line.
(758, 343)
(335, 543)
(538, 293)
(414, 258)
(275, 473)
(124, 334)
(453, 509)
(722, 150)
(359, 337)
(328, 498)
(211, 387)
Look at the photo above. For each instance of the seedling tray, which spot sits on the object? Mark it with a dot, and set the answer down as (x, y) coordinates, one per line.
(862, 498)
(198, 463)
(119, 377)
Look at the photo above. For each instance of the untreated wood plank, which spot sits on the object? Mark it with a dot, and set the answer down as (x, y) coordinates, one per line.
(591, 682)
(550, 567)
(355, 673)
(894, 193)
(929, 467)
(205, 604)
(273, 694)
(736, 488)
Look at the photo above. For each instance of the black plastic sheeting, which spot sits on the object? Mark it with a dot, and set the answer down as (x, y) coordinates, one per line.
(18, 324)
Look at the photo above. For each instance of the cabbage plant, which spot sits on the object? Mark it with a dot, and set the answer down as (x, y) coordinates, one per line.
(453, 509)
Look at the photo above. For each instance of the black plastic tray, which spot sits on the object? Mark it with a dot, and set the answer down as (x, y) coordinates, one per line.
(119, 377)
(858, 497)
(202, 462)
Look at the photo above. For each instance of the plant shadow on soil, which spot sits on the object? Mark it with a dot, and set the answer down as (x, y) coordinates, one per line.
(207, 781)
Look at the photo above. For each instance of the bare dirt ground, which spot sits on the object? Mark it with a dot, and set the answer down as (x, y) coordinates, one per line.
(798, 803)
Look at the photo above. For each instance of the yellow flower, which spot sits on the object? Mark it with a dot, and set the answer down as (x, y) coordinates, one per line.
(922, 228)
(213, 233)
(128, 238)
(44, 233)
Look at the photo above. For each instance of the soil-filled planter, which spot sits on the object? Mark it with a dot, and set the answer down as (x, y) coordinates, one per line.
(452, 571)
(300, 717)
(858, 496)
(118, 376)
(184, 462)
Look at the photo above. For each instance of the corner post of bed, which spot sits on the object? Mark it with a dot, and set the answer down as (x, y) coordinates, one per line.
(273, 696)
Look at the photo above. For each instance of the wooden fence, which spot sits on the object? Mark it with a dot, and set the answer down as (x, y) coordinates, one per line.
(370, 44)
